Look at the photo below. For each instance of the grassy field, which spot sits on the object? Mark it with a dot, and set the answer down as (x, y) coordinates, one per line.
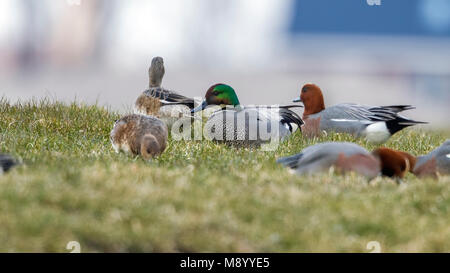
(199, 196)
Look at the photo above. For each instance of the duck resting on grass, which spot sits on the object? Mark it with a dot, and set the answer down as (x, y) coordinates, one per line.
(376, 123)
(139, 135)
(159, 102)
(240, 125)
(345, 157)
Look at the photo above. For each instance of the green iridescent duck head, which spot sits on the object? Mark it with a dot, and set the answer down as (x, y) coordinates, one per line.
(219, 94)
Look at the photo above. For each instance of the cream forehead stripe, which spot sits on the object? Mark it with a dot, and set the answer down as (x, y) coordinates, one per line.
(408, 166)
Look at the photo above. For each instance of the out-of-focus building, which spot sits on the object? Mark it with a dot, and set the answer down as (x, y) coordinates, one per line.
(99, 50)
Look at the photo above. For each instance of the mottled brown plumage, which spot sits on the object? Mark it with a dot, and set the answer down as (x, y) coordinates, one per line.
(148, 105)
(139, 135)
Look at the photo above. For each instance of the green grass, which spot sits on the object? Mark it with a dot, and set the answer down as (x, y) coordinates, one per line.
(199, 196)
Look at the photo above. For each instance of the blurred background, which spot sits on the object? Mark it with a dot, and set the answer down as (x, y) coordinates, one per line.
(100, 50)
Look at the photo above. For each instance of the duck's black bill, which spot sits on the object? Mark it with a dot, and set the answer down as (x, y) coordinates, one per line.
(297, 100)
(201, 107)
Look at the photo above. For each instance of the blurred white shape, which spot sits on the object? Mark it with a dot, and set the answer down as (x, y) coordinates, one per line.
(373, 2)
(146, 29)
(73, 2)
(375, 246)
(11, 21)
(74, 246)
(229, 34)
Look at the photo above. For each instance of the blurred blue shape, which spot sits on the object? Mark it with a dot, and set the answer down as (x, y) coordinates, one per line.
(435, 15)
(392, 17)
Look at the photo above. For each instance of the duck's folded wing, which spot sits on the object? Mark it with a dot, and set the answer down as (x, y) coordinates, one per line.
(345, 118)
(168, 97)
(398, 108)
(349, 111)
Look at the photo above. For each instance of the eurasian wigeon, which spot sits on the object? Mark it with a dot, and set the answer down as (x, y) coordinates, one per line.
(139, 135)
(343, 156)
(6, 163)
(375, 123)
(434, 163)
(160, 102)
(245, 125)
